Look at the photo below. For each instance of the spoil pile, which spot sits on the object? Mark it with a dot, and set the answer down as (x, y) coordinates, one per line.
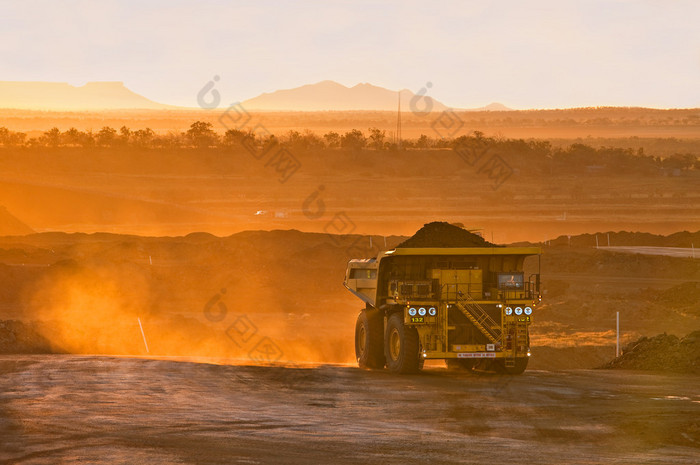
(628, 238)
(11, 225)
(684, 297)
(441, 234)
(17, 337)
(661, 353)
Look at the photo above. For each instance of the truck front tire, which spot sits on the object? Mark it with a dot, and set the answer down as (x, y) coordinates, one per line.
(369, 339)
(401, 346)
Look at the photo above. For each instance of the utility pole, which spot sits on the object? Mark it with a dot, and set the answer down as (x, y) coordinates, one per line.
(398, 125)
(617, 346)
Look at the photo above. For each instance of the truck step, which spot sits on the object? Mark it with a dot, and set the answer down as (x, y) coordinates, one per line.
(480, 319)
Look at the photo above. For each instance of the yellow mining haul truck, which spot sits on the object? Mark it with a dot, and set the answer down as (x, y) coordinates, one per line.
(471, 307)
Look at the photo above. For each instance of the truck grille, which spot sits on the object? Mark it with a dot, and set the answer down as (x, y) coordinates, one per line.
(413, 289)
(423, 290)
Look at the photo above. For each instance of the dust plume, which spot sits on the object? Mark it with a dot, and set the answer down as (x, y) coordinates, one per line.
(95, 307)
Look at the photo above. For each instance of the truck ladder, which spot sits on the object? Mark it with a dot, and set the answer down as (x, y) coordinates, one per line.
(479, 318)
(519, 335)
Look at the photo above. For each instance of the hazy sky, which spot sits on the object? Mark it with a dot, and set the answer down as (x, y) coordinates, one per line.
(525, 54)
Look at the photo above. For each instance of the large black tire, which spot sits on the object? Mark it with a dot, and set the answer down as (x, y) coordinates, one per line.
(460, 364)
(519, 368)
(369, 339)
(401, 346)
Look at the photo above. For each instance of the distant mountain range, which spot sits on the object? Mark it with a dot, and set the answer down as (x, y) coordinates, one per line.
(63, 96)
(329, 96)
(12, 226)
(322, 96)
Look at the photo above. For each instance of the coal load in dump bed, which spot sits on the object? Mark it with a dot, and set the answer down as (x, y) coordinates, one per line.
(441, 234)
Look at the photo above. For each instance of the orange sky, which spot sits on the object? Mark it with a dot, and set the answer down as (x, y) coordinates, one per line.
(539, 54)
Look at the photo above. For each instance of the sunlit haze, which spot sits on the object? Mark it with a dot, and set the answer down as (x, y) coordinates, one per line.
(311, 232)
(541, 54)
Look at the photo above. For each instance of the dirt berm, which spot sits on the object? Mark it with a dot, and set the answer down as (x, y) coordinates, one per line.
(17, 337)
(661, 353)
(441, 234)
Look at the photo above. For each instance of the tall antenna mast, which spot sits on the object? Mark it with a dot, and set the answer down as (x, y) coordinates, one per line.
(398, 124)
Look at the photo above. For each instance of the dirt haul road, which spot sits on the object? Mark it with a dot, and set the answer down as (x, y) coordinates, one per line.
(70, 409)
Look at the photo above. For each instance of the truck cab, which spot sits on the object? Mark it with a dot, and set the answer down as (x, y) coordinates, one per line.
(470, 306)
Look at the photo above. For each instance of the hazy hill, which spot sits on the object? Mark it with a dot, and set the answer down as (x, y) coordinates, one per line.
(322, 96)
(63, 96)
(12, 226)
(495, 106)
(329, 95)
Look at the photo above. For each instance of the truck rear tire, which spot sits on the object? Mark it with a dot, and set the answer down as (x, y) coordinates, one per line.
(518, 369)
(369, 339)
(460, 364)
(401, 346)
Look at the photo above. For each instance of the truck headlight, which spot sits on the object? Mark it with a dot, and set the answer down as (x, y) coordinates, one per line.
(518, 311)
(421, 311)
(432, 311)
(509, 311)
(528, 311)
(412, 311)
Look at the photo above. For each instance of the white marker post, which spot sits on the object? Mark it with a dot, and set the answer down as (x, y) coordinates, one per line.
(596, 241)
(143, 334)
(617, 347)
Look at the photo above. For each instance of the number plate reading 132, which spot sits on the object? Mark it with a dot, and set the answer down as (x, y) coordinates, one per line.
(417, 319)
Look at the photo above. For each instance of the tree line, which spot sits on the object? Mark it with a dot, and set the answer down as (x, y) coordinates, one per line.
(201, 135)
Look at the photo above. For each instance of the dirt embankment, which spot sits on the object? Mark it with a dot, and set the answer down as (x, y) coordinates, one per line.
(683, 298)
(18, 337)
(628, 238)
(170, 192)
(195, 295)
(661, 353)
